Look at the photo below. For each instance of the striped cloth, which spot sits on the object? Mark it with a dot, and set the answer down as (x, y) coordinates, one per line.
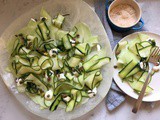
(115, 96)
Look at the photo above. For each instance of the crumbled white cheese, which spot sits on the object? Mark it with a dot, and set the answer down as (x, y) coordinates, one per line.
(33, 19)
(52, 72)
(18, 81)
(62, 76)
(72, 41)
(94, 90)
(141, 65)
(53, 51)
(98, 47)
(89, 91)
(156, 68)
(67, 99)
(92, 93)
(48, 95)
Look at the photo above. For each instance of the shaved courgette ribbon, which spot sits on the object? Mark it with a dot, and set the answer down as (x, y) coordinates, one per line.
(47, 58)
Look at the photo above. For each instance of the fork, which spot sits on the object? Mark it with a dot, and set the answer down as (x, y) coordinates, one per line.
(153, 61)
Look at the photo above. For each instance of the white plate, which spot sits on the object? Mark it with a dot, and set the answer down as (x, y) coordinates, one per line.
(79, 12)
(155, 83)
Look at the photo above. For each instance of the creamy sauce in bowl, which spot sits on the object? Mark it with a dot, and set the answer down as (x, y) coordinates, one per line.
(123, 15)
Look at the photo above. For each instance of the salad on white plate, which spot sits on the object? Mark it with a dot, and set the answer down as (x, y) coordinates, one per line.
(132, 61)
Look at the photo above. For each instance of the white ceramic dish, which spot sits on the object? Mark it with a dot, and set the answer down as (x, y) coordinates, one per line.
(155, 83)
(79, 12)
